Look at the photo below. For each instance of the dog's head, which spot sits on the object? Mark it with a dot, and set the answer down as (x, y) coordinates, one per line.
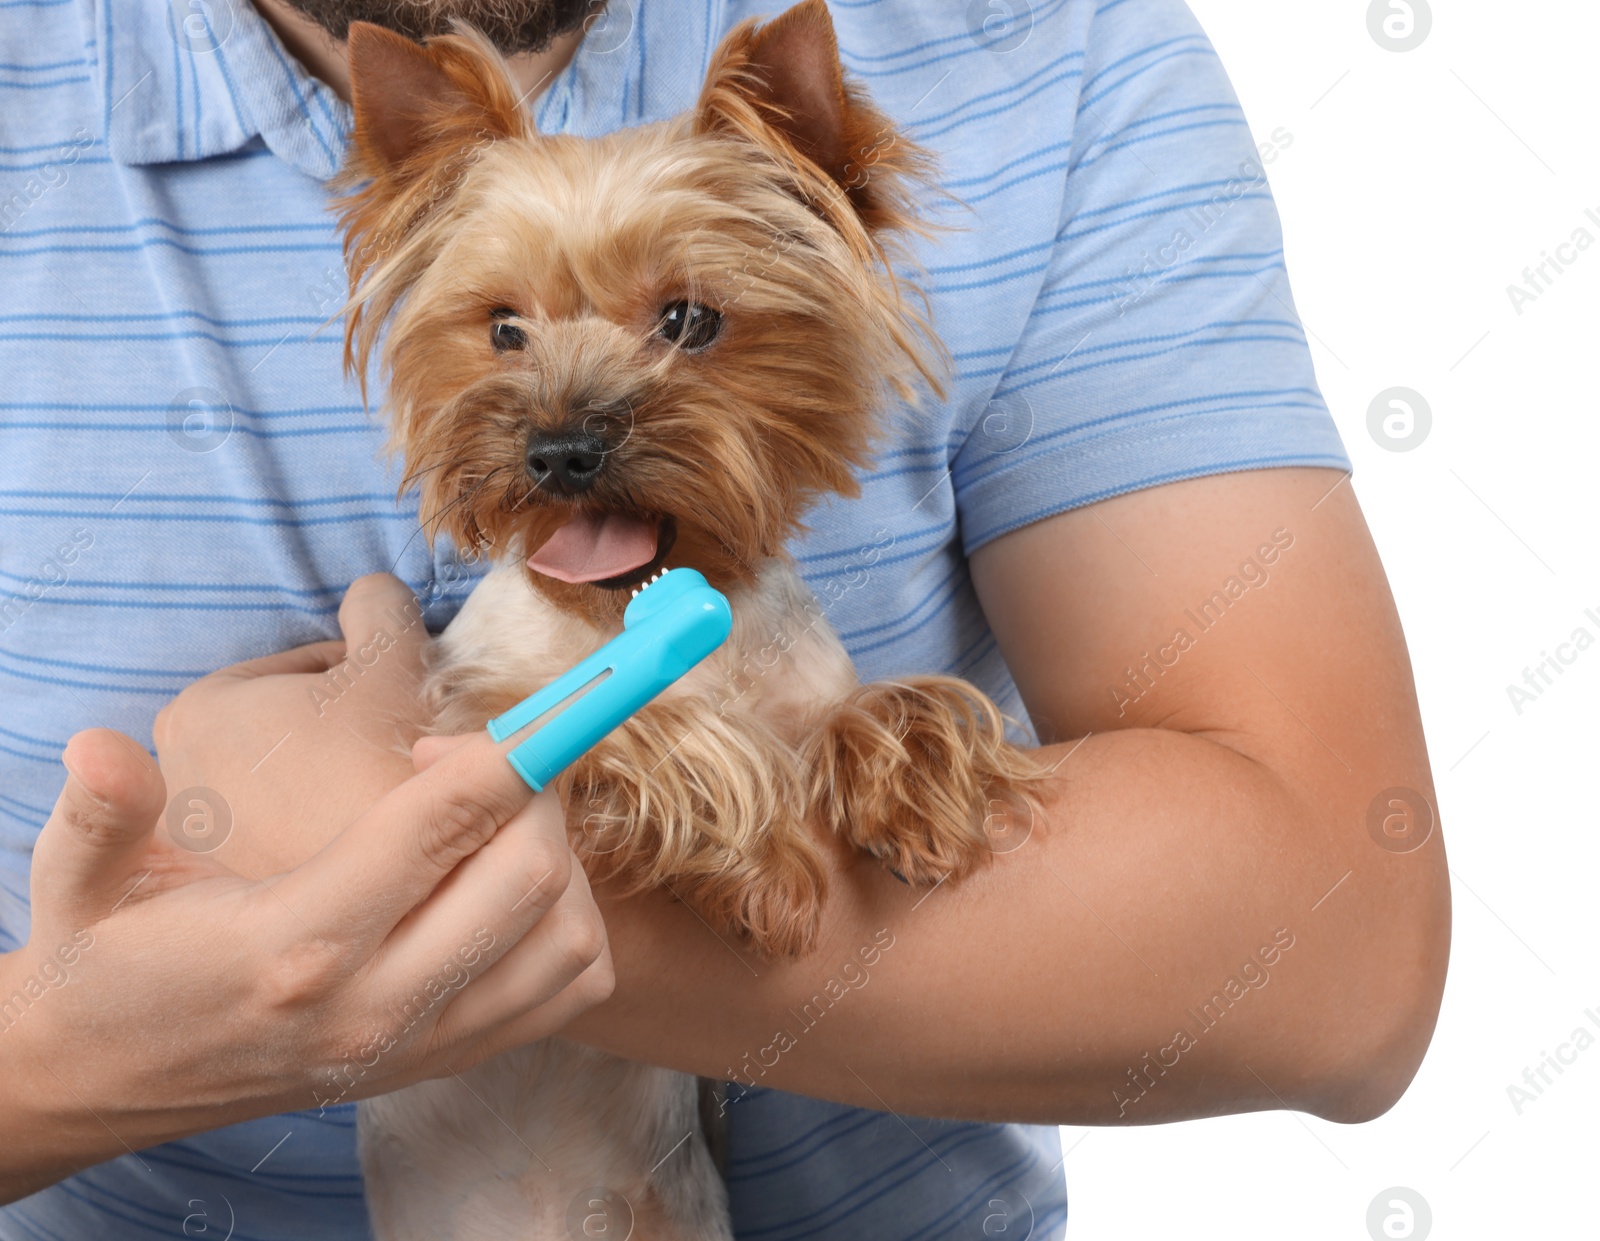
(655, 347)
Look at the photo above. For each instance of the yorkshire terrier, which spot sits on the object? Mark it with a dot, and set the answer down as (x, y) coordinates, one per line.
(604, 358)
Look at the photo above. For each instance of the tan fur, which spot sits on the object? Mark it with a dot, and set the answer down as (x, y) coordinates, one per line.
(908, 771)
(779, 200)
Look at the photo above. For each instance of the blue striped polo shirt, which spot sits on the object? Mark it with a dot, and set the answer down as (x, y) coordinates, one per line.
(187, 479)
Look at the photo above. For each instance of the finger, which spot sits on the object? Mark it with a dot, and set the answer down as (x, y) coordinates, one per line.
(429, 750)
(101, 825)
(387, 862)
(565, 946)
(380, 616)
(489, 901)
(594, 986)
(313, 657)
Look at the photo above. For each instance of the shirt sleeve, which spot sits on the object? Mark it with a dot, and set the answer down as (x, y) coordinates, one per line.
(1164, 343)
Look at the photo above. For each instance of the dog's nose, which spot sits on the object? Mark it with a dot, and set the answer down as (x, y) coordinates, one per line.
(568, 461)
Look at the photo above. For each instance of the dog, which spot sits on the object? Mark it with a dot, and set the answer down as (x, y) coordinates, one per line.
(604, 358)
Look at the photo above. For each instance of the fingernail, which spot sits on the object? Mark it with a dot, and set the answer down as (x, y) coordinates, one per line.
(81, 782)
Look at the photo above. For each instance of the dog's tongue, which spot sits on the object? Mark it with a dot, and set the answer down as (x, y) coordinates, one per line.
(592, 547)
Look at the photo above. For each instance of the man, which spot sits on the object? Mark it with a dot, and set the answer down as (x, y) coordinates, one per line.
(1130, 522)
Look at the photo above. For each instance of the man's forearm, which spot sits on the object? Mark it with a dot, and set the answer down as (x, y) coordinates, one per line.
(1164, 945)
(44, 1136)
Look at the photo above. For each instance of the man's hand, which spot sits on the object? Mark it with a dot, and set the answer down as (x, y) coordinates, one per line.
(171, 994)
(299, 744)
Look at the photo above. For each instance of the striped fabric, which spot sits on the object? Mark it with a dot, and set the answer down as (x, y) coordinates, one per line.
(186, 479)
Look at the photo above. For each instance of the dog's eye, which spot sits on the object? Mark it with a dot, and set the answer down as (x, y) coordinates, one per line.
(506, 335)
(690, 325)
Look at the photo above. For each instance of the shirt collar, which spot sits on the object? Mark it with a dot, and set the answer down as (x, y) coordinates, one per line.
(642, 61)
(191, 80)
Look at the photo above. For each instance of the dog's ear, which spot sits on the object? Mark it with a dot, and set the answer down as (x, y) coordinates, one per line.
(783, 87)
(423, 114)
(419, 106)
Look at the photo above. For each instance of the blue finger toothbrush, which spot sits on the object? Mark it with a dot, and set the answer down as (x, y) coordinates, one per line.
(669, 626)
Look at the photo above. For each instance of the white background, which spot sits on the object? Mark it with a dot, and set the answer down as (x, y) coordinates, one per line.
(1417, 188)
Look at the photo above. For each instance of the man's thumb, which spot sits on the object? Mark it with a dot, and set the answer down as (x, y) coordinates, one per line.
(113, 797)
(381, 619)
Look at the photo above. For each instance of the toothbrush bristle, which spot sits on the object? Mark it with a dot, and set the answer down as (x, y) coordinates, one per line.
(649, 582)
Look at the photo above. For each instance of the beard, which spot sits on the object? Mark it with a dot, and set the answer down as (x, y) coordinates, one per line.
(513, 26)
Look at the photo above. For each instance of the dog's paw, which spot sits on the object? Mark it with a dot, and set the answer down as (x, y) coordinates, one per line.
(913, 773)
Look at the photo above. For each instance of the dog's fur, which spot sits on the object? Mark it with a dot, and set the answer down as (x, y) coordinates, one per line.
(778, 201)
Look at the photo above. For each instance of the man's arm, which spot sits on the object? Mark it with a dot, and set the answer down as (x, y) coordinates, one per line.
(1201, 921)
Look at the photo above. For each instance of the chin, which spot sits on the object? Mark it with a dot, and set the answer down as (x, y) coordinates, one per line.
(604, 359)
